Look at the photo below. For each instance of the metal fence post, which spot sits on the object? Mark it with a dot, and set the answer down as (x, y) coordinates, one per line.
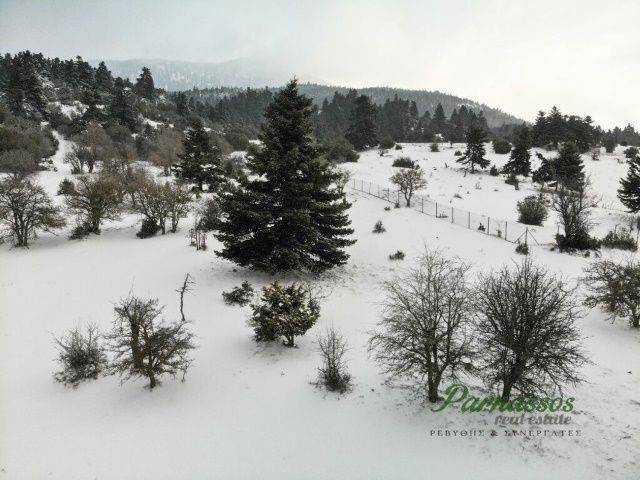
(469, 220)
(436, 209)
(488, 225)
(422, 204)
(451, 214)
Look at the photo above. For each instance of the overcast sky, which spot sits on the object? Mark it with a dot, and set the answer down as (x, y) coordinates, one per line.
(517, 55)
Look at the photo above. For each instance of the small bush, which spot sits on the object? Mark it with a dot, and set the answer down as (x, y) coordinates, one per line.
(522, 249)
(399, 255)
(66, 187)
(580, 241)
(434, 147)
(341, 151)
(387, 208)
(81, 231)
(403, 162)
(80, 356)
(148, 228)
(532, 210)
(239, 295)
(398, 146)
(333, 373)
(481, 228)
(378, 227)
(386, 143)
(283, 312)
(493, 171)
(457, 153)
(620, 239)
(501, 146)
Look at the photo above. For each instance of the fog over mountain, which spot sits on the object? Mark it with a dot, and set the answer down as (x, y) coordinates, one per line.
(174, 75)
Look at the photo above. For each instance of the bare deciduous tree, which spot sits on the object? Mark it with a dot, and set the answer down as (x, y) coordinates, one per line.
(408, 181)
(526, 330)
(343, 178)
(425, 329)
(168, 147)
(26, 208)
(160, 202)
(94, 200)
(333, 374)
(616, 287)
(186, 287)
(144, 346)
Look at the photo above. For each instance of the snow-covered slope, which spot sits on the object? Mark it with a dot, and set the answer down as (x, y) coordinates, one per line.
(251, 411)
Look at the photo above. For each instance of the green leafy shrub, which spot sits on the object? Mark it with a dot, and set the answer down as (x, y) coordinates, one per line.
(399, 255)
(340, 151)
(387, 142)
(501, 146)
(620, 239)
(285, 312)
(66, 187)
(239, 295)
(403, 162)
(532, 210)
(148, 228)
(378, 227)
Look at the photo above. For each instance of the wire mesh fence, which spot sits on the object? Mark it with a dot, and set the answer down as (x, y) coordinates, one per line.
(510, 231)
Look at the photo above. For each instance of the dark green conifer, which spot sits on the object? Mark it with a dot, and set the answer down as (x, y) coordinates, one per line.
(288, 214)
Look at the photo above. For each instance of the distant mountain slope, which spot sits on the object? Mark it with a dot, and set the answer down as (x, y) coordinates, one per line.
(179, 75)
(425, 100)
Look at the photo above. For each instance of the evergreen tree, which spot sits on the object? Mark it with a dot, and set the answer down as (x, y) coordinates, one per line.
(104, 80)
(439, 120)
(121, 108)
(288, 215)
(520, 163)
(181, 104)
(201, 161)
(475, 153)
(629, 192)
(362, 129)
(144, 86)
(569, 166)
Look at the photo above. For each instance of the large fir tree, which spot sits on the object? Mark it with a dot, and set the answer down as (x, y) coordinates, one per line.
(288, 215)
(104, 80)
(475, 153)
(121, 108)
(201, 161)
(144, 85)
(520, 159)
(569, 167)
(362, 129)
(629, 192)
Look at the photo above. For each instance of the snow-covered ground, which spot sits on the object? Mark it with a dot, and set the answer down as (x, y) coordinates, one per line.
(250, 411)
(484, 194)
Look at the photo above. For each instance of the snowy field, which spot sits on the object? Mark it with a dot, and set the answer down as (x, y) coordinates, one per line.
(249, 411)
(484, 194)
